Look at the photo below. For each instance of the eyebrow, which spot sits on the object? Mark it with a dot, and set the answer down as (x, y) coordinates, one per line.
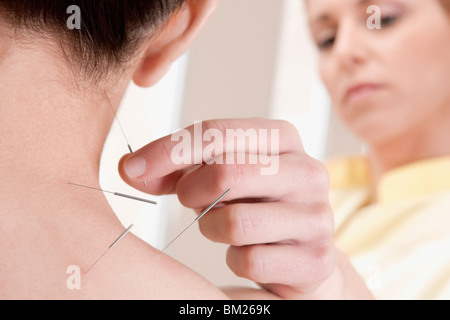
(324, 17)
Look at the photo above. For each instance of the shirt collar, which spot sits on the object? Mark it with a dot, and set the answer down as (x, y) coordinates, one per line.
(415, 179)
(411, 180)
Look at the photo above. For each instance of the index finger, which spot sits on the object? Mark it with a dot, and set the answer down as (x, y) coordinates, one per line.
(162, 162)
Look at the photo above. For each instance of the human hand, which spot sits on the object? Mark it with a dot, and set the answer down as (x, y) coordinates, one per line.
(278, 221)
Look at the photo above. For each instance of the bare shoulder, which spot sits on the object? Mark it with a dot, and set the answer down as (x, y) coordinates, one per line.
(135, 270)
(48, 258)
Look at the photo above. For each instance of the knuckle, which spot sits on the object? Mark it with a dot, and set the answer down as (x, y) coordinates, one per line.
(323, 261)
(316, 173)
(324, 221)
(328, 223)
(208, 127)
(287, 127)
(205, 230)
(227, 176)
(239, 226)
(319, 171)
(183, 192)
(183, 199)
(220, 176)
(290, 130)
(255, 265)
(214, 124)
(233, 227)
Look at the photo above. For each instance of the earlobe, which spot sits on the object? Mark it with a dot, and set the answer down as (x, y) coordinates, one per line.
(150, 72)
(172, 41)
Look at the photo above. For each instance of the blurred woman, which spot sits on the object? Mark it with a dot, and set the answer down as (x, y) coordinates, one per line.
(390, 87)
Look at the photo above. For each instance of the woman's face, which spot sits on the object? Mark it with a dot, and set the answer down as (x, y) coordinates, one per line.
(384, 82)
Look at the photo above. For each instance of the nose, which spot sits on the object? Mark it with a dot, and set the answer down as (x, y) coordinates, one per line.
(351, 48)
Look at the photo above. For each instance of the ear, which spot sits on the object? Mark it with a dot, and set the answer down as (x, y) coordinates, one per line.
(172, 41)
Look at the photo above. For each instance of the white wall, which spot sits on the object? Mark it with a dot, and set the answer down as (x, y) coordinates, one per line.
(145, 115)
(298, 93)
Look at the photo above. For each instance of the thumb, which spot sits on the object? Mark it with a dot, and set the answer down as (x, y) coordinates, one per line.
(133, 170)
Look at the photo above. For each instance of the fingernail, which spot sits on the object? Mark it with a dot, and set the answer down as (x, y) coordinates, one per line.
(135, 167)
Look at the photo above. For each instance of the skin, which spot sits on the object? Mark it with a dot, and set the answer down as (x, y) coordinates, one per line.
(407, 116)
(52, 131)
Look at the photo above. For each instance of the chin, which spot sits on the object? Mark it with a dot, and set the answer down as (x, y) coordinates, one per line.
(379, 132)
(372, 119)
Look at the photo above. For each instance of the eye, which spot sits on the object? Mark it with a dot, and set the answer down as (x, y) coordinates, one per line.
(388, 20)
(326, 43)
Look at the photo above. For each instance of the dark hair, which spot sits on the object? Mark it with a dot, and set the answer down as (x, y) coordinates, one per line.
(110, 29)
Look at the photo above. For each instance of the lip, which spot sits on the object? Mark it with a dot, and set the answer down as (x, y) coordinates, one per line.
(360, 91)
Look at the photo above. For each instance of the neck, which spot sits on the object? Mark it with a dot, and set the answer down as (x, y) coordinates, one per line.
(429, 140)
(49, 134)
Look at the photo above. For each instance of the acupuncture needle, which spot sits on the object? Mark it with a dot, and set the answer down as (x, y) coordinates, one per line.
(118, 194)
(118, 122)
(196, 219)
(121, 128)
(111, 246)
